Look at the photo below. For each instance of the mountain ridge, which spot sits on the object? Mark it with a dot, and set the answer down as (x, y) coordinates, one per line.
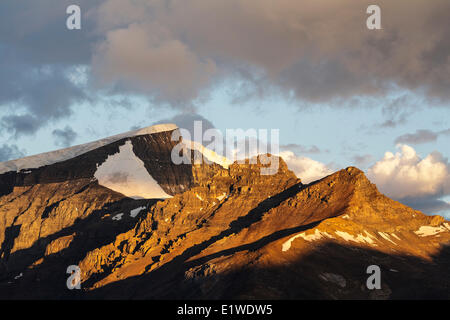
(225, 232)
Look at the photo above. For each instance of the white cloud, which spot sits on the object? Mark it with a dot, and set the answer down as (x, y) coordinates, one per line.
(306, 169)
(406, 175)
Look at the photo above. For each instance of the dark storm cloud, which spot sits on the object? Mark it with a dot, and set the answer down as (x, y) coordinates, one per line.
(36, 53)
(64, 137)
(311, 50)
(42, 94)
(37, 31)
(10, 152)
(20, 124)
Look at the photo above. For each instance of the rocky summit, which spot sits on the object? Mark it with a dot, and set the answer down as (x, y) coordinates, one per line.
(138, 226)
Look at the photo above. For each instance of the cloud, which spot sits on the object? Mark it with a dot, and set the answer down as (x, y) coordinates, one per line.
(444, 132)
(176, 52)
(312, 50)
(297, 148)
(10, 152)
(37, 32)
(308, 170)
(165, 69)
(187, 121)
(37, 52)
(64, 137)
(420, 136)
(363, 160)
(405, 174)
(20, 124)
(407, 177)
(38, 94)
(429, 205)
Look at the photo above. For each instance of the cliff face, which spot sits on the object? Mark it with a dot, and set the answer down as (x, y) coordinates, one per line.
(225, 233)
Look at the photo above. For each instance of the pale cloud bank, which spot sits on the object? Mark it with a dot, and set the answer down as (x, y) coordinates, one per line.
(308, 170)
(406, 174)
(414, 180)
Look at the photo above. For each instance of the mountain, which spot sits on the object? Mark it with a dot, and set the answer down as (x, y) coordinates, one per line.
(141, 227)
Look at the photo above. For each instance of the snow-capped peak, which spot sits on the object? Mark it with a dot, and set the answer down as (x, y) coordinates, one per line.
(208, 153)
(52, 157)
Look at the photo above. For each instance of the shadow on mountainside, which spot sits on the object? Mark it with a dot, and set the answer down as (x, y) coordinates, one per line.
(47, 279)
(235, 227)
(404, 276)
(329, 271)
(326, 271)
(90, 233)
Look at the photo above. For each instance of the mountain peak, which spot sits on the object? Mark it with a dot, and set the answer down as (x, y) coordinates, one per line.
(48, 158)
(354, 170)
(140, 226)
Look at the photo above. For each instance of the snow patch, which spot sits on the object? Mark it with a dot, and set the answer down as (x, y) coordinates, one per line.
(124, 172)
(118, 216)
(220, 198)
(18, 276)
(368, 238)
(386, 237)
(207, 153)
(135, 212)
(431, 231)
(359, 238)
(198, 197)
(317, 235)
(52, 157)
(395, 236)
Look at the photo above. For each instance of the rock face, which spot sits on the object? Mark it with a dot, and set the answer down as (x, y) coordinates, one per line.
(225, 233)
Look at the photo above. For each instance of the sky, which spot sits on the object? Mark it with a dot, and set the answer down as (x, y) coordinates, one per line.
(340, 94)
